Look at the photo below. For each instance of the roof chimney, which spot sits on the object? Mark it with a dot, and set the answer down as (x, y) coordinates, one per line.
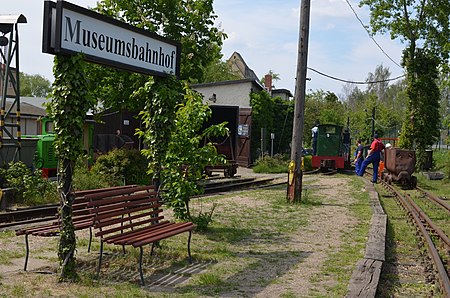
(268, 82)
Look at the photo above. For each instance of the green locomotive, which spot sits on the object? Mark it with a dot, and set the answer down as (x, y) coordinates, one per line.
(45, 158)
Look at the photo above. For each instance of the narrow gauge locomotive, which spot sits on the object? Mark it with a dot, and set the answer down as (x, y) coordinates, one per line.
(332, 147)
(399, 165)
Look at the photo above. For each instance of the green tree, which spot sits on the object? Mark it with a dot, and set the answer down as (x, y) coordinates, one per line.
(424, 23)
(218, 71)
(34, 85)
(380, 76)
(187, 155)
(174, 141)
(191, 22)
(275, 77)
(444, 86)
(262, 118)
(323, 107)
(275, 115)
(421, 127)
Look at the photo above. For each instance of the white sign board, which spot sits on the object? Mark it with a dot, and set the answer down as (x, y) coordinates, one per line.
(72, 29)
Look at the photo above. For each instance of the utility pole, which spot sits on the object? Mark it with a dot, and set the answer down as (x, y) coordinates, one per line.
(294, 190)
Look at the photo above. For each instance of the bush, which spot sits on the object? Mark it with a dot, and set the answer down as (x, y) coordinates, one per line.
(278, 164)
(122, 167)
(275, 164)
(307, 163)
(203, 219)
(84, 179)
(31, 188)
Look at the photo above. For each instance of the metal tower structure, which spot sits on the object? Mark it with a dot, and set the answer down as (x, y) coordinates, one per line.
(10, 88)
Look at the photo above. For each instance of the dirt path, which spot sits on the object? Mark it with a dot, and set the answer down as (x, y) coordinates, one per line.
(321, 236)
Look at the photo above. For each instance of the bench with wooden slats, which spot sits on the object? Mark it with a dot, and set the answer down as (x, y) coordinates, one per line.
(134, 220)
(81, 217)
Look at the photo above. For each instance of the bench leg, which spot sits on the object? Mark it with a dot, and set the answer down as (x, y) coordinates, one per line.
(140, 265)
(189, 247)
(90, 239)
(153, 246)
(100, 258)
(27, 253)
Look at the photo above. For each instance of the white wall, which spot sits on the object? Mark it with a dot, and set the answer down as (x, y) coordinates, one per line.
(232, 94)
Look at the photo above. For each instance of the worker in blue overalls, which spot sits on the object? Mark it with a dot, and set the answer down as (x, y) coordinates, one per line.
(373, 157)
(358, 156)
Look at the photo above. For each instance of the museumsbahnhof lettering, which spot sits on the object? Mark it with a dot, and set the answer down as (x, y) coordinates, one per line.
(75, 33)
(70, 29)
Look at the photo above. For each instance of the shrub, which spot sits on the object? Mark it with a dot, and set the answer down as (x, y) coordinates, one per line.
(84, 179)
(203, 219)
(31, 188)
(307, 163)
(275, 164)
(122, 167)
(278, 164)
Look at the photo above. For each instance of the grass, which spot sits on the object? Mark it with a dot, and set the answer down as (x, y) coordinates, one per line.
(249, 245)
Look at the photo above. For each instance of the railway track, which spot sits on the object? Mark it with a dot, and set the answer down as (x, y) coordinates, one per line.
(432, 235)
(25, 216)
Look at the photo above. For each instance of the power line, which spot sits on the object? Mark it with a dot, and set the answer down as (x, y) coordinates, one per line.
(355, 82)
(370, 35)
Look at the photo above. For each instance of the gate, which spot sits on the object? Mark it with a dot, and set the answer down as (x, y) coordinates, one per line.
(244, 136)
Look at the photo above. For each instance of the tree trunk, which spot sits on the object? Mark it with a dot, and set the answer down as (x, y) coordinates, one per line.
(67, 241)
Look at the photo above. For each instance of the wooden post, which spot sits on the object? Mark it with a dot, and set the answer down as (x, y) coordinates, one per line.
(295, 183)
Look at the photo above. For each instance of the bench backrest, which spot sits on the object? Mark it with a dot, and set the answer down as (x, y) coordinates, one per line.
(119, 212)
(80, 208)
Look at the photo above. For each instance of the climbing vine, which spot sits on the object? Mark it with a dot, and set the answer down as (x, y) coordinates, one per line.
(67, 108)
(172, 132)
(161, 94)
(421, 128)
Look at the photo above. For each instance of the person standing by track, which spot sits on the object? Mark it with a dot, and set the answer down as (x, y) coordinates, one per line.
(373, 157)
(315, 135)
(358, 156)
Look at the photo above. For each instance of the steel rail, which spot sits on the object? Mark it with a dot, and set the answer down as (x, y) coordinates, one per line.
(444, 238)
(439, 266)
(441, 203)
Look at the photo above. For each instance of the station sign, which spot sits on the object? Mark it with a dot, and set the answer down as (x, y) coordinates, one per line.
(70, 29)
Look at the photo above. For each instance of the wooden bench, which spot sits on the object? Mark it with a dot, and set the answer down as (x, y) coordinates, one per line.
(81, 217)
(134, 220)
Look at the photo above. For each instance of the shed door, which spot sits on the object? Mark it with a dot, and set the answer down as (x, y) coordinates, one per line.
(244, 134)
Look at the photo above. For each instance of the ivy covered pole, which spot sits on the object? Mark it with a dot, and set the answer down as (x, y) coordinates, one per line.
(421, 127)
(162, 95)
(68, 108)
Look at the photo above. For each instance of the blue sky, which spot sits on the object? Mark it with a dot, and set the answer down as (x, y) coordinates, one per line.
(265, 33)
